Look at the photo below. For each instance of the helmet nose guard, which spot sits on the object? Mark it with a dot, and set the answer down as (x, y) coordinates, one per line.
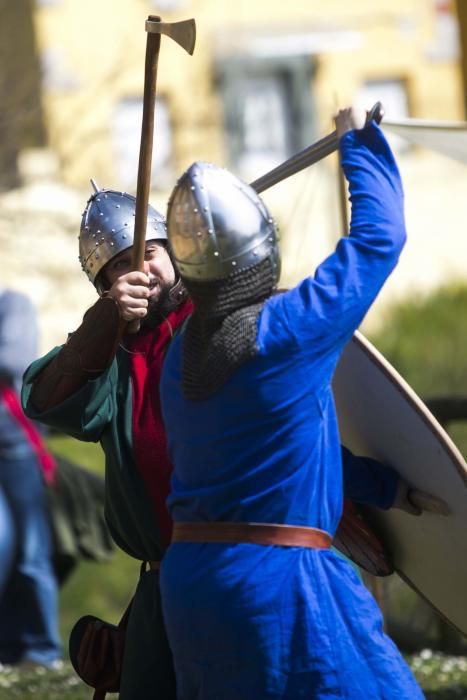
(107, 228)
(218, 225)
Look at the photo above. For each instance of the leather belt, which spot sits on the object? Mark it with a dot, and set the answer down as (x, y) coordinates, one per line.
(251, 533)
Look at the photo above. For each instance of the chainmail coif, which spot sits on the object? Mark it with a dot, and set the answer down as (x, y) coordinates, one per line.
(221, 334)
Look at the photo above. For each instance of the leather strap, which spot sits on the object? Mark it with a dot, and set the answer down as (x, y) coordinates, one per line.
(252, 533)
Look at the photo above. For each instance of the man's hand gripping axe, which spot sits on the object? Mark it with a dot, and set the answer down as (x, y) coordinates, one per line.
(184, 33)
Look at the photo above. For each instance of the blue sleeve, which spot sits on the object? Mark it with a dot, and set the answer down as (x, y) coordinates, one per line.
(323, 311)
(368, 481)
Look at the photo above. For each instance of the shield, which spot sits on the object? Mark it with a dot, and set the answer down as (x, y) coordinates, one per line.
(380, 416)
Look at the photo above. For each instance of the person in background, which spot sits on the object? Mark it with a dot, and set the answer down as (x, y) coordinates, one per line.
(28, 586)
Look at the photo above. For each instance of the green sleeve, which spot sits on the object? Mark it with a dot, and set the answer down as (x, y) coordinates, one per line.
(85, 414)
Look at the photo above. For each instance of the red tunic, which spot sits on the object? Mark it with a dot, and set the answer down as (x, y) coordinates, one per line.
(149, 440)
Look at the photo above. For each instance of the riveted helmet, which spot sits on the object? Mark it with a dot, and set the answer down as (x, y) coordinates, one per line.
(107, 228)
(218, 225)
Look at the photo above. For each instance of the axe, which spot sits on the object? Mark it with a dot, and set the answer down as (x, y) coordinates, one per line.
(184, 33)
(311, 154)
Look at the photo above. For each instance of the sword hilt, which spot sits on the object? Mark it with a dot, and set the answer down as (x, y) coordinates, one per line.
(375, 114)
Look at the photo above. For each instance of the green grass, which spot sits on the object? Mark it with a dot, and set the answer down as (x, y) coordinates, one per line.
(44, 685)
(441, 677)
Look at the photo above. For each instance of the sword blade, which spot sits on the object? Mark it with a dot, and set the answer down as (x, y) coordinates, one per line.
(310, 155)
(303, 159)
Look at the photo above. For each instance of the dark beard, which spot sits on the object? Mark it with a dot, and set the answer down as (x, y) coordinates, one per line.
(159, 309)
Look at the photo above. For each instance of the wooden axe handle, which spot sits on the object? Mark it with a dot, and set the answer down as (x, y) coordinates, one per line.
(153, 42)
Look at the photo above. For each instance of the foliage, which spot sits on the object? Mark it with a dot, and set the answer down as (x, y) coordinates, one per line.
(425, 340)
(441, 677)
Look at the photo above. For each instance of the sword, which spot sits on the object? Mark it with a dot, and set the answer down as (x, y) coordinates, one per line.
(311, 154)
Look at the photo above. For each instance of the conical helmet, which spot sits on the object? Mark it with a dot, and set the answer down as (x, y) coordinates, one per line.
(107, 228)
(218, 225)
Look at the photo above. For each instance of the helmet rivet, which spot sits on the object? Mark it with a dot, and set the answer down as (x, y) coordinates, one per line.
(270, 239)
(195, 210)
(99, 231)
(118, 206)
(125, 224)
(111, 243)
(192, 187)
(233, 263)
(86, 228)
(210, 230)
(113, 230)
(124, 235)
(205, 208)
(199, 234)
(101, 213)
(216, 253)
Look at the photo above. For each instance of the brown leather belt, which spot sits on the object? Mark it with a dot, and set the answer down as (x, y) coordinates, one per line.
(252, 533)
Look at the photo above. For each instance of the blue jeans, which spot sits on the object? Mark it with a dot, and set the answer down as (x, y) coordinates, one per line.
(28, 587)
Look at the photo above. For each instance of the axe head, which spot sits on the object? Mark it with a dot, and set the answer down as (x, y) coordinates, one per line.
(184, 33)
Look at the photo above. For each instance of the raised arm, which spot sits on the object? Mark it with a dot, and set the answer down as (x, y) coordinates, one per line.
(324, 310)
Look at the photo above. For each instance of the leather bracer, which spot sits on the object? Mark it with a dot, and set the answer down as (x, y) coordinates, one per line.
(87, 353)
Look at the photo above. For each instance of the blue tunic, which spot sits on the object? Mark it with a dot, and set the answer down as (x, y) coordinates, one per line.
(252, 622)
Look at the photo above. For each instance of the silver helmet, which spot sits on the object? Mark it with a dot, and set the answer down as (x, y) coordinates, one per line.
(218, 225)
(107, 228)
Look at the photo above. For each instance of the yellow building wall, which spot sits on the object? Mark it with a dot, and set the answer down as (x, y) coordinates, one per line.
(102, 46)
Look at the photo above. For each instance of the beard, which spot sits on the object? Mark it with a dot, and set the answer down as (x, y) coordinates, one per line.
(159, 308)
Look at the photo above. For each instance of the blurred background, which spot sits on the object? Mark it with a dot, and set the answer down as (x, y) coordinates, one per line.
(264, 82)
